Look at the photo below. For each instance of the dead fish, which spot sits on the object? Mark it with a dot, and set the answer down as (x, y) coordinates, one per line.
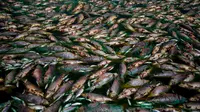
(145, 73)
(165, 46)
(184, 67)
(137, 70)
(122, 71)
(56, 48)
(157, 56)
(168, 109)
(186, 60)
(37, 107)
(92, 59)
(191, 85)
(79, 83)
(80, 18)
(163, 60)
(10, 77)
(63, 88)
(136, 64)
(18, 50)
(23, 108)
(143, 91)
(96, 97)
(170, 67)
(126, 93)
(66, 55)
(100, 72)
(130, 59)
(115, 88)
(164, 74)
(20, 43)
(100, 107)
(23, 73)
(38, 75)
(20, 36)
(70, 62)
(53, 107)
(137, 82)
(102, 80)
(32, 55)
(124, 49)
(177, 79)
(49, 73)
(31, 98)
(70, 108)
(137, 110)
(159, 90)
(78, 8)
(46, 60)
(114, 57)
(103, 63)
(54, 86)
(192, 105)
(76, 68)
(10, 56)
(128, 27)
(169, 99)
(33, 88)
(195, 98)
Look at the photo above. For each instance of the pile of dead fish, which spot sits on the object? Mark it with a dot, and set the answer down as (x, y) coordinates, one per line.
(99, 55)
